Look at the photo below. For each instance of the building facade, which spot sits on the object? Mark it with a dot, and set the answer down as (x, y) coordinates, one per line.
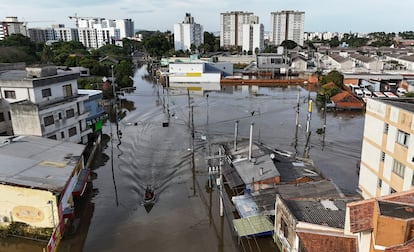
(287, 25)
(6, 128)
(187, 33)
(387, 156)
(45, 102)
(66, 34)
(12, 25)
(39, 179)
(231, 27)
(253, 35)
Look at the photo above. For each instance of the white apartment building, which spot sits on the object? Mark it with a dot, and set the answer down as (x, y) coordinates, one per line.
(287, 25)
(187, 33)
(126, 28)
(66, 34)
(253, 37)
(44, 101)
(12, 25)
(387, 157)
(231, 27)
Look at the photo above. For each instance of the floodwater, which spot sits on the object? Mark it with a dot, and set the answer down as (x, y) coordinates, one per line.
(140, 151)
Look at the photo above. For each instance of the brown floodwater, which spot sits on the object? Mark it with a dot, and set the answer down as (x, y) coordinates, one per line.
(153, 145)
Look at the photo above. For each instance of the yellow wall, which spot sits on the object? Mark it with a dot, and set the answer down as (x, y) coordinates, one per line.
(28, 205)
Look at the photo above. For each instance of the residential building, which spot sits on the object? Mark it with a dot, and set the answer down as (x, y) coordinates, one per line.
(272, 62)
(367, 64)
(383, 224)
(40, 35)
(253, 41)
(12, 25)
(126, 28)
(6, 128)
(312, 224)
(39, 179)
(188, 33)
(44, 101)
(387, 154)
(335, 61)
(287, 25)
(231, 27)
(66, 34)
(94, 106)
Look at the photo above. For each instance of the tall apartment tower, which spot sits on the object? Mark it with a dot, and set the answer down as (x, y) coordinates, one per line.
(12, 25)
(187, 33)
(231, 27)
(253, 38)
(126, 27)
(387, 156)
(287, 25)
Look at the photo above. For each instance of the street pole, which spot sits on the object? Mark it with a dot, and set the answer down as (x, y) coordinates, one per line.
(221, 185)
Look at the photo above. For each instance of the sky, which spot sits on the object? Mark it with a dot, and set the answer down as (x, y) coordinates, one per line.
(320, 15)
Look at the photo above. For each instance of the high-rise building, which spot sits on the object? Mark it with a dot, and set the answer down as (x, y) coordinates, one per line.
(41, 35)
(253, 38)
(287, 25)
(126, 28)
(187, 33)
(231, 27)
(387, 156)
(12, 25)
(66, 34)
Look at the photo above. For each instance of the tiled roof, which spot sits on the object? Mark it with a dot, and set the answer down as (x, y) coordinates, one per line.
(330, 213)
(327, 243)
(361, 212)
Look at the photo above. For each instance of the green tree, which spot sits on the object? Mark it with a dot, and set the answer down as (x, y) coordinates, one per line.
(123, 74)
(335, 77)
(289, 44)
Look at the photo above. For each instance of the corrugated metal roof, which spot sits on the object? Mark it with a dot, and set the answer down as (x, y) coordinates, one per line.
(253, 225)
(32, 161)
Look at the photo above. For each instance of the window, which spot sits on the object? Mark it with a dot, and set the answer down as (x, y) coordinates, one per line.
(2, 117)
(9, 94)
(392, 190)
(62, 135)
(379, 183)
(403, 138)
(284, 228)
(398, 168)
(67, 90)
(70, 113)
(382, 156)
(72, 131)
(52, 137)
(386, 127)
(46, 92)
(49, 120)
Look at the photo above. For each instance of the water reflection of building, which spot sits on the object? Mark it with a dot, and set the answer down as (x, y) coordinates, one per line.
(39, 179)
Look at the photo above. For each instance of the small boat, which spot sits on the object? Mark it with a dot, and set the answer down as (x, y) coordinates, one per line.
(149, 195)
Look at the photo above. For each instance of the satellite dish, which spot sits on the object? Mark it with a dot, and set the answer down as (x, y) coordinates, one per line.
(272, 155)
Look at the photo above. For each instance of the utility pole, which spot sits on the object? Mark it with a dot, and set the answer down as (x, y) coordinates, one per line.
(236, 129)
(324, 122)
(308, 133)
(297, 122)
(221, 185)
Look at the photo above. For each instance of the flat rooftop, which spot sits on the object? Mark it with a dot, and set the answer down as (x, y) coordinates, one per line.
(36, 162)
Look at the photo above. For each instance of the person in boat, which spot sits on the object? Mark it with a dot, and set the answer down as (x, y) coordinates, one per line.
(149, 193)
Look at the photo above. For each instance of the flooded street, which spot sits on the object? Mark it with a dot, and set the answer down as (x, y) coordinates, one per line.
(143, 150)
